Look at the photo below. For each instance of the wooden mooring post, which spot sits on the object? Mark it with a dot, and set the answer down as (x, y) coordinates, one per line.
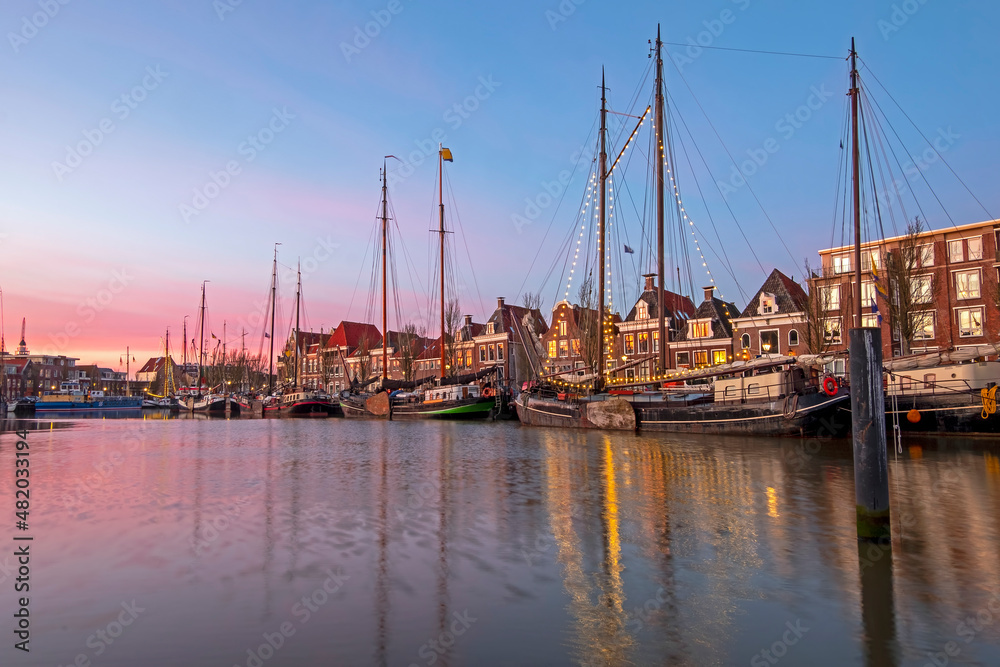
(871, 464)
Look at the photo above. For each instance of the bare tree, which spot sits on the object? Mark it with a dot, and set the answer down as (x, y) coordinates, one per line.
(817, 307)
(589, 324)
(452, 319)
(408, 352)
(364, 357)
(532, 301)
(911, 290)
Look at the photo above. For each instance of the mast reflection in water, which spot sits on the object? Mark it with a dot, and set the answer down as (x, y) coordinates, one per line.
(273, 542)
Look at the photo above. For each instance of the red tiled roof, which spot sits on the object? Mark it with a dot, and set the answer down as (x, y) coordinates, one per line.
(350, 334)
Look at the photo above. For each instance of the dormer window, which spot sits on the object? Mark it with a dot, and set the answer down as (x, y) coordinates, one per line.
(489, 327)
(642, 311)
(768, 304)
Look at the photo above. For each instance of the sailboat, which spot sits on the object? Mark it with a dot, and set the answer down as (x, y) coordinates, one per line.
(296, 401)
(449, 398)
(774, 396)
(205, 400)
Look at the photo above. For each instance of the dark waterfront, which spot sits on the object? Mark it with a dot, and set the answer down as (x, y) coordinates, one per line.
(435, 543)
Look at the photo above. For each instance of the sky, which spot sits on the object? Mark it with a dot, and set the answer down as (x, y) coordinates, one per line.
(148, 147)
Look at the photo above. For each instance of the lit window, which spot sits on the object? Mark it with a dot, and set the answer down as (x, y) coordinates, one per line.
(955, 253)
(967, 284)
(970, 322)
(575, 345)
(831, 330)
(718, 357)
(745, 341)
(564, 348)
(643, 343)
(921, 289)
(656, 341)
(926, 255)
(867, 293)
(482, 351)
(975, 246)
(924, 326)
(700, 328)
(562, 327)
(500, 351)
(641, 311)
(869, 320)
(492, 356)
(701, 358)
(629, 344)
(830, 297)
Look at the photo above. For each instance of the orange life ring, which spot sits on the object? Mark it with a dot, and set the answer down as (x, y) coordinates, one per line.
(487, 392)
(830, 385)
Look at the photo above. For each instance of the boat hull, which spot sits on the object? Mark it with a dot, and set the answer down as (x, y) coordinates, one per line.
(942, 414)
(123, 403)
(801, 415)
(612, 413)
(479, 408)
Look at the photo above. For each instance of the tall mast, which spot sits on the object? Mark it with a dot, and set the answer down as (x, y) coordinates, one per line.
(856, 159)
(168, 368)
(661, 138)
(224, 387)
(601, 232)
(185, 346)
(441, 158)
(128, 389)
(3, 353)
(274, 293)
(298, 297)
(201, 336)
(385, 236)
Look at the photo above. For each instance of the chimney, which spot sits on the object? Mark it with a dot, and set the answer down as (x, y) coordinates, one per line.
(650, 281)
(500, 302)
(468, 320)
(708, 292)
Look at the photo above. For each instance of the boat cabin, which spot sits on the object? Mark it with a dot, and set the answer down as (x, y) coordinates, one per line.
(760, 387)
(452, 393)
(947, 379)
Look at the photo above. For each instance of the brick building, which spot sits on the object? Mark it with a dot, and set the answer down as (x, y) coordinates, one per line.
(638, 341)
(707, 338)
(957, 280)
(774, 322)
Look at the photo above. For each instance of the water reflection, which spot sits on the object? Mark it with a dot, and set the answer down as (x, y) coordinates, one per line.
(493, 544)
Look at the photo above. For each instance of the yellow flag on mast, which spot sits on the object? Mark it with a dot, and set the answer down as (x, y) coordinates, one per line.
(446, 155)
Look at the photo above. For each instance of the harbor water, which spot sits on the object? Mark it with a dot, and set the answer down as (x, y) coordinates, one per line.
(262, 543)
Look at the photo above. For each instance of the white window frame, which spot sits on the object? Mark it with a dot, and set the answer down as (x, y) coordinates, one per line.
(828, 337)
(922, 289)
(956, 251)
(830, 297)
(841, 264)
(968, 291)
(926, 254)
(797, 339)
(977, 243)
(926, 329)
(970, 331)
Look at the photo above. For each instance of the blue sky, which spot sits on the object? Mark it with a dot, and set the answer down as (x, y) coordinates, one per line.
(101, 255)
